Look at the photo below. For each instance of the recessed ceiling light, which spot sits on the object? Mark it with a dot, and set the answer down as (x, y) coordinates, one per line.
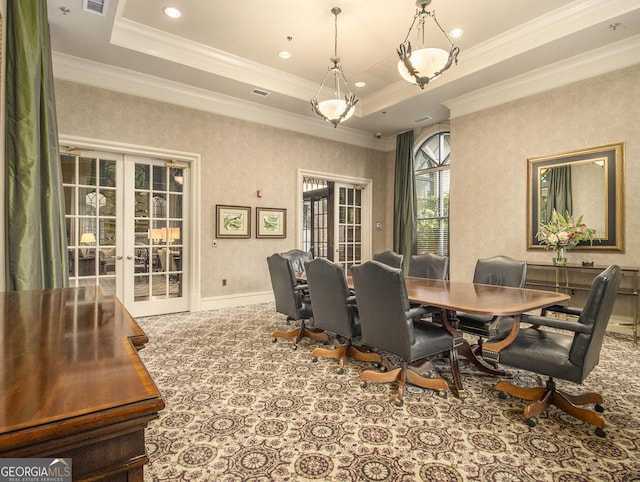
(172, 12)
(360, 84)
(456, 33)
(284, 54)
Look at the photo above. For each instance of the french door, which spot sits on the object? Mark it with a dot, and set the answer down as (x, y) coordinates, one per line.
(335, 215)
(126, 220)
(348, 224)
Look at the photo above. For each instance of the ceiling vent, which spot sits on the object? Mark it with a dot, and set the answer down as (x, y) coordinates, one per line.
(261, 93)
(422, 119)
(95, 6)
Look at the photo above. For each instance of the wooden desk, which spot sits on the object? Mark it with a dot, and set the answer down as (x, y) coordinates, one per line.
(72, 383)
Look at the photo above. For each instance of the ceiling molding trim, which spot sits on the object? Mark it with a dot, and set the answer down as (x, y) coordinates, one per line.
(540, 31)
(75, 69)
(134, 36)
(619, 55)
(546, 29)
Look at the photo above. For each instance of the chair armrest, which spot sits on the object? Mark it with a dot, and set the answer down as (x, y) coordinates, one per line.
(561, 309)
(555, 323)
(417, 312)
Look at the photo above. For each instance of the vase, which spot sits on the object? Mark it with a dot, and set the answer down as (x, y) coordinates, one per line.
(560, 256)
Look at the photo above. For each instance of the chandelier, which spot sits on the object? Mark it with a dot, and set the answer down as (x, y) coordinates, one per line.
(427, 63)
(335, 110)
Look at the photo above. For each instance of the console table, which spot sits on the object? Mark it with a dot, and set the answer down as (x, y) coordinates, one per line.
(72, 384)
(575, 280)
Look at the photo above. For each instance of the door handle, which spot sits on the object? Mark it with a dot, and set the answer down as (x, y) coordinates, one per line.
(119, 257)
(129, 257)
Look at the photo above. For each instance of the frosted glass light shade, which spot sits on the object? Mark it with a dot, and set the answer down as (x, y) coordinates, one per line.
(332, 109)
(426, 61)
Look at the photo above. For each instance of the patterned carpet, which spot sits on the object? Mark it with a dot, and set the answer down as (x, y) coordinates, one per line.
(241, 408)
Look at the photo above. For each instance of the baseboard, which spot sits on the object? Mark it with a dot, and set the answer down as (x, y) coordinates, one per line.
(230, 301)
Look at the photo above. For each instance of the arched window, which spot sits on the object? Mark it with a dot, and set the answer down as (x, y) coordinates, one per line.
(432, 171)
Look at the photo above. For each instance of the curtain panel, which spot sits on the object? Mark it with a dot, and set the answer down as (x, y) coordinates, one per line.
(559, 195)
(404, 199)
(36, 249)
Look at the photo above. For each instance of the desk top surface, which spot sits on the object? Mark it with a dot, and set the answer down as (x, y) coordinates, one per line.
(478, 298)
(68, 356)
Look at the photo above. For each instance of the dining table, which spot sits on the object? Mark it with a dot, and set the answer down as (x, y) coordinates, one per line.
(491, 300)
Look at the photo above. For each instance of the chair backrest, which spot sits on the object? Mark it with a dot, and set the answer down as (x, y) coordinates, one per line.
(283, 282)
(329, 296)
(297, 258)
(429, 265)
(389, 258)
(585, 349)
(500, 271)
(383, 307)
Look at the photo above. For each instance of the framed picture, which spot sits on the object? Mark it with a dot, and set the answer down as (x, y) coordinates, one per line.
(271, 223)
(233, 221)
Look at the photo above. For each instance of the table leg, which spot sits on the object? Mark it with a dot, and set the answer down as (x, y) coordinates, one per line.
(450, 323)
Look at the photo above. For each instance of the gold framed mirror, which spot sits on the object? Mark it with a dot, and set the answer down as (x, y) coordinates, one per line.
(589, 182)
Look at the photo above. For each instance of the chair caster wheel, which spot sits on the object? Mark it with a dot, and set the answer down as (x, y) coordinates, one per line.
(599, 408)
(294, 347)
(340, 371)
(398, 403)
(443, 394)
(274, 340)
(600, 433)
(531, 422)
(363, 384)
(502, 395)
(314, 359)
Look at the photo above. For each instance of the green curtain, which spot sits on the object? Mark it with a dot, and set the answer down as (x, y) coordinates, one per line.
(404, 199)
(36, 250)
(559, 193)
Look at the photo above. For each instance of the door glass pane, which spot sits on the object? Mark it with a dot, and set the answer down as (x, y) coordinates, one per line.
(90, 220)
(164, 234)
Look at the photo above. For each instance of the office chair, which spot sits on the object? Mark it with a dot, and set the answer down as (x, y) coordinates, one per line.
(389, 258)
(387, 324)
(291, 300)
(498, 271)
(335, 312)
(569, 352)
(429, 265)
(298, 258)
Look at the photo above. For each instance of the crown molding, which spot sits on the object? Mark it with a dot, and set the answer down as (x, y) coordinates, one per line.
(135, 36)
(75, 69)
(561, 22)
(619, 55)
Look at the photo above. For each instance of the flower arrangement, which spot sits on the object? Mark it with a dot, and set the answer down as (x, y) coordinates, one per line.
(563, 231)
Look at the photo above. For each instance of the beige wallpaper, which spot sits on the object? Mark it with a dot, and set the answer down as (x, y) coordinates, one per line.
(238, 158)
(489, 159)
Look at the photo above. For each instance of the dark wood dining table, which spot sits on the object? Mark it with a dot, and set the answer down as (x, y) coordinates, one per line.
(453, 296)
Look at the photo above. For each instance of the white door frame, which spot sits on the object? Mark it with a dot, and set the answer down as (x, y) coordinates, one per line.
(367, 199)
(194, 162)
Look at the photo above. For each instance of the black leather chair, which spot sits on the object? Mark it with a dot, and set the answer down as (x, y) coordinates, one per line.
(291, 300)
(569, 352)
(388, 325)
(298, 258)
(498, 271)
(335, 312)
(389, 258)
(429, 265)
